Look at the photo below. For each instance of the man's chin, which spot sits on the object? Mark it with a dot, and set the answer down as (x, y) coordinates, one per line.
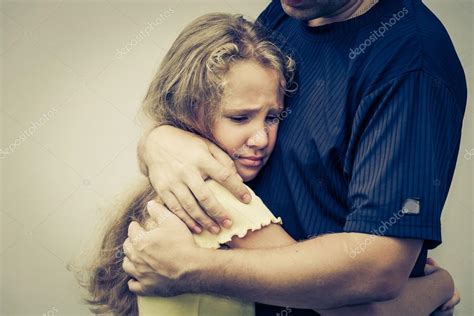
(300, 14)
(310, 11)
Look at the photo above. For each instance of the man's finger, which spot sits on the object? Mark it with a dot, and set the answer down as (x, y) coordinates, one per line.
(130, 253)
(129, 268)
(136, 287)
(208, 201)
(127, 248)
(157, 212)
(173, 205)
(221, 156)
(455, 300)
(432, 262)
(190, 205)
(228, 179)
(135, 232)
(429, 269)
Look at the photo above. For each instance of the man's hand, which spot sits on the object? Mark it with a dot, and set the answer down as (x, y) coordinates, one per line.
(447, 309)
(172, 243)
(177, 162)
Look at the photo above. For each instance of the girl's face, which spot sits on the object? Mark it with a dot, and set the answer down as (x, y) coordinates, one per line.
(247, 125)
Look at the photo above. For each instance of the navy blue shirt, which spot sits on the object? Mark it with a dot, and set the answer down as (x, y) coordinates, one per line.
(372, 134)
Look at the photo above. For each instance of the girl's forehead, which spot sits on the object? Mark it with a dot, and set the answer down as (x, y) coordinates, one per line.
(248, 82)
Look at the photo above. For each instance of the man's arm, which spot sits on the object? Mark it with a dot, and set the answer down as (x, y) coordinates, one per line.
(414, 298)
(302, 275)
(141, 151)
(166, 261)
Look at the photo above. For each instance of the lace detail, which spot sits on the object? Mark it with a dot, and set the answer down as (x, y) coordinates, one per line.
(245, 217)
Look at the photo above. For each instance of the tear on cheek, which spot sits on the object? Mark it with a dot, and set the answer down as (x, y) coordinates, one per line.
(235, 155)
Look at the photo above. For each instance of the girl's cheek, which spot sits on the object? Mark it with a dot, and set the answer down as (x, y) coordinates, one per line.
(234, 143)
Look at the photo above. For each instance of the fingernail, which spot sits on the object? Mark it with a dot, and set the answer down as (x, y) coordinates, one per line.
(227, 223)
(214, 229)
(197, 229)
(247, 198)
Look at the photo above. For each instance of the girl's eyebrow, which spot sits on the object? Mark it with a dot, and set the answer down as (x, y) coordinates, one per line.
(252, 110)
(244, 110)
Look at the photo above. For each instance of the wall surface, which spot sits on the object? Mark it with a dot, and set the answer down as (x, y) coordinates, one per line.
(73, 76)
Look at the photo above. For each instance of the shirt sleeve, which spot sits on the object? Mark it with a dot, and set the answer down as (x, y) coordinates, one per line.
(402, 153)
(245, 217)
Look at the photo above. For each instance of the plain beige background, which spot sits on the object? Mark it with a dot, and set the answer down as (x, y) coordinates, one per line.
(73, 75)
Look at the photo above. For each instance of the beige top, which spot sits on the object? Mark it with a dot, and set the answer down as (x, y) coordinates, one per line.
(245, 217)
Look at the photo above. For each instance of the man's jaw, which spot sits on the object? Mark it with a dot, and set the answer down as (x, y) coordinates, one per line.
(336, 11)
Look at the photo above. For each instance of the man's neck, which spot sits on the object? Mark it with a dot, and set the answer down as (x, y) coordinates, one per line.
(351, 10)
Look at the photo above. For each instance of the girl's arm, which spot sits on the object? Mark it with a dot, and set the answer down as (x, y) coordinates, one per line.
(421, 296)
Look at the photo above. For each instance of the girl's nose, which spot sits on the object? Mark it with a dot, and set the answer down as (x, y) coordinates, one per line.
(259, 139)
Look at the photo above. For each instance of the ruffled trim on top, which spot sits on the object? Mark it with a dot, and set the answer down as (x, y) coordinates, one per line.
(245, 217)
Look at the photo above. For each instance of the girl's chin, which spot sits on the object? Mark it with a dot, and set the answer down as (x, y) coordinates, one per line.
(247, 175)
(247, 179)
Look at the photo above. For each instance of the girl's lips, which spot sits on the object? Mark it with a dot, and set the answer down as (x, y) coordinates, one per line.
(250, 162)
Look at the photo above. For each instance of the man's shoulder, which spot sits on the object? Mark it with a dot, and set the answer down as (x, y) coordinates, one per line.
(415, 40)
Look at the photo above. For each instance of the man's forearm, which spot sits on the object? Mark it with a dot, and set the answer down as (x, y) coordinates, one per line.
(315, 274)
(141, 149)
(415, 298)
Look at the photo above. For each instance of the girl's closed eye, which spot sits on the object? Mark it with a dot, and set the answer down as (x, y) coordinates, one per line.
(239, 119)
(272, 118)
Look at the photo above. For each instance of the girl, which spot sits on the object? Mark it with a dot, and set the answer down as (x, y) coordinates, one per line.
(224, 80)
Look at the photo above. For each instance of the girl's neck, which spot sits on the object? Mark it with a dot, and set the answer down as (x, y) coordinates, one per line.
(352, 9)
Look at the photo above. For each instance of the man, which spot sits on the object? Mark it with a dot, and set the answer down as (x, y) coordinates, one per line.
(367, 154)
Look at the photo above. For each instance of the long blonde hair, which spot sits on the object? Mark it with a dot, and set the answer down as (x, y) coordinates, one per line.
(191, 73)
(185, 93)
